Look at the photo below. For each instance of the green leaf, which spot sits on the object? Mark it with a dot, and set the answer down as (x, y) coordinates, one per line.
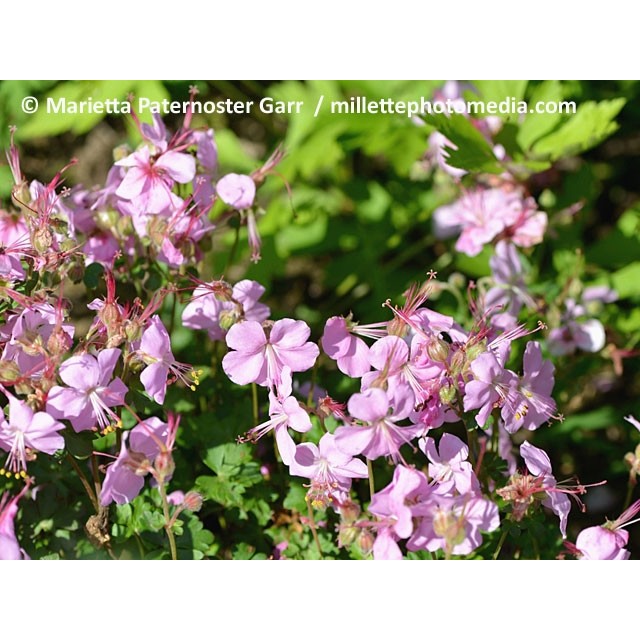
(499, 91)
(626, 281)
(535, 125)
(591, 124)
(93, 275)
(473, 152)
(295, 499)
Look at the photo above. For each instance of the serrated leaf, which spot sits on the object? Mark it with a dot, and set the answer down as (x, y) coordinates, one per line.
(473, 152)
(591, 124)
(535, 125)
(500, 90)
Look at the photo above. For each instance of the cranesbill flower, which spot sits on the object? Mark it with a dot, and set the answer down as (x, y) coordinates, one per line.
(493, 385)
(26, 432)
(453, 524)
(237, 191)
(216, 306)
(394, 508)
(125, 477)
(448, 464)
(149, 180)
(261, 353)
(89, 399)
(9, 545)
(285, 411)
(329, 469)
(341, 343)
(524, 489)
(607, 542)
(379, 435)
(533, 405)
(155, 352)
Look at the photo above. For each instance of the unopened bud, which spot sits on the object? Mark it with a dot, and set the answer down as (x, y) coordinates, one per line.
(132, 331)
(437, 350)
(398, 327)
(110, 315)
(227, 318)
(59, 342)
(106, 220)
(347, 535)
(164, 464)
(447, 394)
(475, 350)
(192, 501)
(365, 541)
(9, 372)
(42, 239)
(121, 152)
(349, 511)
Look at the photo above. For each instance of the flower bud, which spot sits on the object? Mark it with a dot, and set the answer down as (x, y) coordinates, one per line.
(164, 464)
(447, 394)
(132, 331)
(9, 372)
(437, 349)
(42, 239)
(349, 512)
(192, 501)
(59, 342)
(365, 541)
(347, 535)
(227, 318)
(121, 152)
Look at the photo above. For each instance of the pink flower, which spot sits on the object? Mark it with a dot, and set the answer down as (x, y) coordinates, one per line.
(449, 466)
(216, 307)
(9, 545)
(260, 354)
(155, 352)
(484, 214)
(237, 191)
(149, 181)
(348, 350)
(539, 465)
(492, 385)
(533, 405)
(607, 542)
(25, 432)
(90, 397)
(125, 477)
(394, 507)
(284, 411)
(379, 435)
(453, 524)
(329, 469)
(14, 244)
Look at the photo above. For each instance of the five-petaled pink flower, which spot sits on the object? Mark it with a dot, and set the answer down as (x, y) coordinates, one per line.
(261, 353)
(89, 399)
(27, 431)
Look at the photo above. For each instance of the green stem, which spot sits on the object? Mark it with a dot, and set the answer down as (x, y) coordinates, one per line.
(372, 484)
(85, 483)
(314, 532)
(172, 319)
(167, 519)
(254, 397)
(232, 252)
(503, 537)
(630, 487)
